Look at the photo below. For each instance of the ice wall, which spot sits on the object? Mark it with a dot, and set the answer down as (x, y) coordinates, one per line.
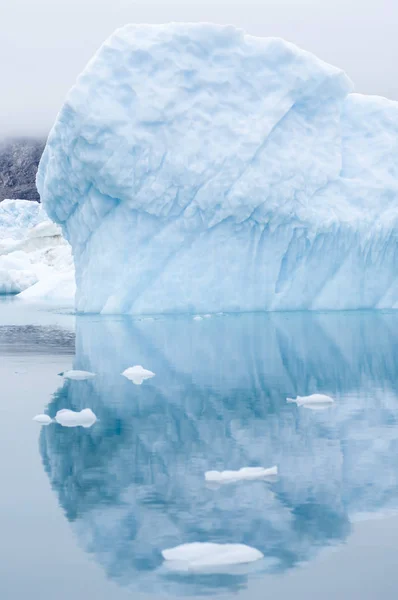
(195, 168)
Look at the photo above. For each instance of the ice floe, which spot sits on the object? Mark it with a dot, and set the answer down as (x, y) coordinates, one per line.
(200, 556)
(77, 375)
(43, 419)
(138, 374)
(70, 418)
(244, 474)
(313, 402)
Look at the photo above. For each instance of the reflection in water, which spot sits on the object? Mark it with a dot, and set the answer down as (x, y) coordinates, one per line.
(134, 484)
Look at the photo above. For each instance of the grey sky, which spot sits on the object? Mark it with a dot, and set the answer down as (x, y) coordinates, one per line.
(44, 44)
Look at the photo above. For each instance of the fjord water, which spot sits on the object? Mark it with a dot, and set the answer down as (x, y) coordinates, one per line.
(86, 512)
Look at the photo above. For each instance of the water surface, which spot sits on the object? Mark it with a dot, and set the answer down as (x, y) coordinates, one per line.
(87, 512)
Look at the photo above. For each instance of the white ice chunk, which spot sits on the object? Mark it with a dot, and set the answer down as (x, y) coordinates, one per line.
(35, 260)
(77, 375)
(70, 418)
(138, 374)
(204, 555)
(198, 318)
(43, 419)
(313, 402)
(246, 473)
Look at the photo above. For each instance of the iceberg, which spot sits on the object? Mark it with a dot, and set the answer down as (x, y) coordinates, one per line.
(35, 261)
(197, 169)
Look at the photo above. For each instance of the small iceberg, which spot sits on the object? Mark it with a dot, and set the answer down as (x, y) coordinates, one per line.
(138, 374)
(245, 474)
(43, 419)
(198, 318)
(77, 375)
(203, 556)
(314, 401)
(70, 418)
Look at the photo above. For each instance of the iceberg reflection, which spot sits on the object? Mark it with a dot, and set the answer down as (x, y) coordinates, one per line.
(134, 484)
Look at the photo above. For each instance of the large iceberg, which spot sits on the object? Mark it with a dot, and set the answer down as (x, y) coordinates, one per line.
(194, 168)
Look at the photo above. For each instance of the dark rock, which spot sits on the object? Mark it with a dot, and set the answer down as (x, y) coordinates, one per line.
(19, 159)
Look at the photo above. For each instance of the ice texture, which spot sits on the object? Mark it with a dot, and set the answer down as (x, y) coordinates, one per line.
(35, 260)
(199, 556)
(16, 218)
(195, 168)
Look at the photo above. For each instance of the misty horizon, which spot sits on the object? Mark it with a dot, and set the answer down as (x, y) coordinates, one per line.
(50, 45)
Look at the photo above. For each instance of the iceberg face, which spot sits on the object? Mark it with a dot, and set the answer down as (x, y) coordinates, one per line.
(194, 168)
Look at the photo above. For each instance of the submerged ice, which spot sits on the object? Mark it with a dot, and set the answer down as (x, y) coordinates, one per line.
(194, 168)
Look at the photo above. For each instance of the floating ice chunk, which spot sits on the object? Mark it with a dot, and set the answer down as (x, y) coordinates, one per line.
(207, 316)
(198, 318)
(70, 418)
(205, 555)
(43, 419)
(314, 401)
(247, 473)
(77, 375)
(137, 374)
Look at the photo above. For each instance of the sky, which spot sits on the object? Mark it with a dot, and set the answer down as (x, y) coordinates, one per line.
(45, 44)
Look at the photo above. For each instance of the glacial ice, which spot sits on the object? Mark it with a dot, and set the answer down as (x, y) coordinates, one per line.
(199, 556)
(194, 168)
(17, 217)
(35, 261)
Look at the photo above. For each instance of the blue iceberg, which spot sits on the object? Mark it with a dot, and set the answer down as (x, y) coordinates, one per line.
(195, 168)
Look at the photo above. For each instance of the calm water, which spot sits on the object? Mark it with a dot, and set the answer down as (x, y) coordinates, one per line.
(85, 513)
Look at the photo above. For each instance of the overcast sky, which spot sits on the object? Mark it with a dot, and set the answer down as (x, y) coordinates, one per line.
(44, 44)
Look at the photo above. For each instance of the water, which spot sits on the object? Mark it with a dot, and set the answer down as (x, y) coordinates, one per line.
(85, 513)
